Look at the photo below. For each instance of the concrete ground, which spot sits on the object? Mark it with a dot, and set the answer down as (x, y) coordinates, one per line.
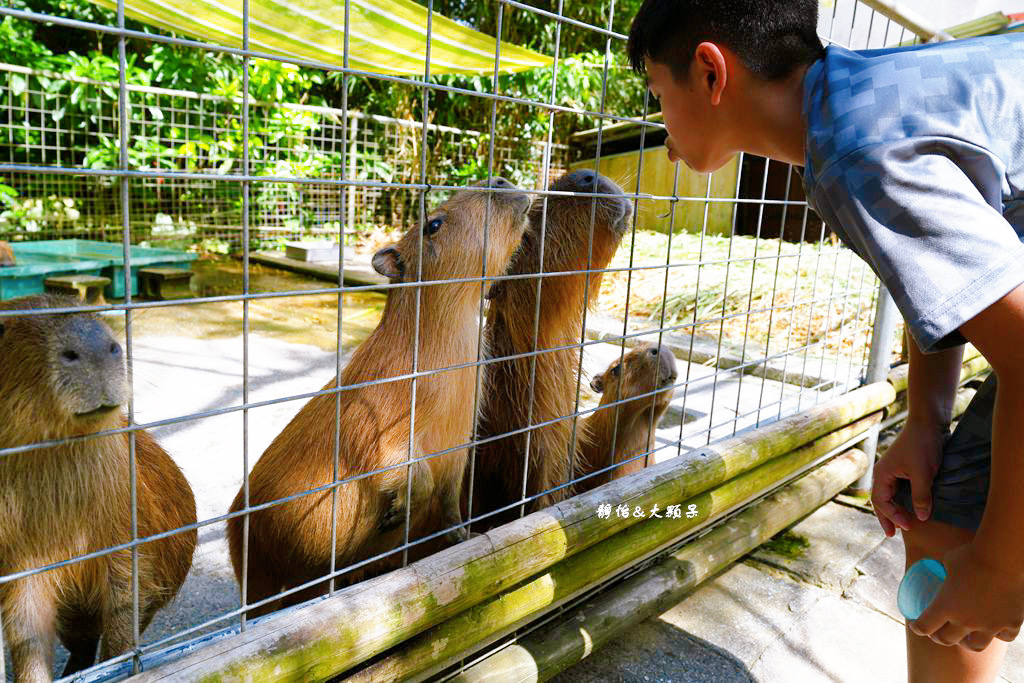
(818, 605)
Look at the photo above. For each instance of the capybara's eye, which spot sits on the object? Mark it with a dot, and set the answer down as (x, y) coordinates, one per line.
(69, 356)
(615, 371)
(433, 226)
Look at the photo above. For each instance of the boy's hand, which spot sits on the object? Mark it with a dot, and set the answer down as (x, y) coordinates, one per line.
(979, 601)
(914, 455)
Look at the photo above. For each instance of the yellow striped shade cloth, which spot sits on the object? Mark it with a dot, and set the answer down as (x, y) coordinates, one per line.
(385, 36)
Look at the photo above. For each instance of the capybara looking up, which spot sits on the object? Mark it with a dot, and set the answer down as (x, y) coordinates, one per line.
(290, 543)
(568, 237)
(6, 255)
(629, 426)
(62, 376)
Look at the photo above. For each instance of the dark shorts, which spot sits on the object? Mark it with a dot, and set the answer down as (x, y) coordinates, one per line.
(960, 488)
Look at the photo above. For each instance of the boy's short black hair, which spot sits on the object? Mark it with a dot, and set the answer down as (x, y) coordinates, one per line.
(771, 37)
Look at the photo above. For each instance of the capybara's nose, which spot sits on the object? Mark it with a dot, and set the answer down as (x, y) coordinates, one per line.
(89, 342)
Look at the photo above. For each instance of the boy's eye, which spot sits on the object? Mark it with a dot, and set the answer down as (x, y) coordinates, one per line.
(433, 226)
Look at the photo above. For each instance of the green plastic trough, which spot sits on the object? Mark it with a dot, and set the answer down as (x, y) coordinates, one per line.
(37, 261)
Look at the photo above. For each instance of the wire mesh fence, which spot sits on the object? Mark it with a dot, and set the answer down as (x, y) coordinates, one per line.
(61, 119)
(481, 375)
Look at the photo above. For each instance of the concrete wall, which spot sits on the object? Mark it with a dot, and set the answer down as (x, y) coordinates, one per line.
(656, 178)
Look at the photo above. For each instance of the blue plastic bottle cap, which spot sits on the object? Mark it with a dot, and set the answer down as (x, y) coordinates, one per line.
(919, 587)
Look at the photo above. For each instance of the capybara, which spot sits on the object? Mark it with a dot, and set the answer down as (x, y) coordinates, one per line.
(628, 427)
(290, 543)
(6, 255)
(569, 237)
(63, 376)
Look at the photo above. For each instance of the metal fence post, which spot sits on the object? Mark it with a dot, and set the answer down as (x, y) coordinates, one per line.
(887, 316)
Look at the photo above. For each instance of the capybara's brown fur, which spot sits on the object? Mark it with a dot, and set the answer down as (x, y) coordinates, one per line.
(617, 433)
(61, 376)
(569, 237)
(290, 543)
(6, 255)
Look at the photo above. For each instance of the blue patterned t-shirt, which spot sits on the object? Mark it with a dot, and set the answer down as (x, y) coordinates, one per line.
(915, 158)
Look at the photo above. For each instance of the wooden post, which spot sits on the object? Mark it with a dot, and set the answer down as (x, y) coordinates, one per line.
(544, 653)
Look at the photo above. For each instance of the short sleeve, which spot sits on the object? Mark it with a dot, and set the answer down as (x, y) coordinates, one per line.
(926, 215)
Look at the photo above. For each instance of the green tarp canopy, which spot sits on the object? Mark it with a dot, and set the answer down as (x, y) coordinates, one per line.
(386, 36)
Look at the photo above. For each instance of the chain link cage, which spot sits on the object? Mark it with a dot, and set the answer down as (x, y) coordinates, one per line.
(758, 309)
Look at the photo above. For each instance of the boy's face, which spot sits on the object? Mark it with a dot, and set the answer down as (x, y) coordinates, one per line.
(689, 117)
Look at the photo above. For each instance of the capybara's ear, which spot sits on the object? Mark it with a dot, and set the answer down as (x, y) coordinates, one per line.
(597, 384)
(495, 290)
(388, 262)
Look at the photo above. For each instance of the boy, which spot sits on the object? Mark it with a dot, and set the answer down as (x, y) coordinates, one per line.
(915, 157)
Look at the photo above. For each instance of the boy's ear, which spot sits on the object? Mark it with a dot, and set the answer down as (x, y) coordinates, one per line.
(597, 384)
(388, 262)
(712, 66)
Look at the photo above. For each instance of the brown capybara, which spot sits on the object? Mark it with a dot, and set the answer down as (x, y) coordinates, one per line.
(63, 376)
(6, 255)
(569, 237)
(289, 544)
(621, 432)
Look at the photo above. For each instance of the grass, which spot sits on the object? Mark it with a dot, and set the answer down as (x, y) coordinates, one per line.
(773, 294)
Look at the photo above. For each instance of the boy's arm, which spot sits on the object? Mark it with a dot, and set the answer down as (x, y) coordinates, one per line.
(931, 385)
(915, 454)
(983, 596)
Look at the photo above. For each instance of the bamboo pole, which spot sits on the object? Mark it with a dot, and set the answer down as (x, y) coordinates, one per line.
(332, 635)
(544, 653)
(475, 628)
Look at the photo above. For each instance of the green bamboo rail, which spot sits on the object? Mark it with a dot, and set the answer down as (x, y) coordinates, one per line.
(441, 645)
(334, 635)
(518, 661)
(544, 653)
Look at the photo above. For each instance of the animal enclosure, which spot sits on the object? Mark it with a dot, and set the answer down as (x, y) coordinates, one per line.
(517, 298)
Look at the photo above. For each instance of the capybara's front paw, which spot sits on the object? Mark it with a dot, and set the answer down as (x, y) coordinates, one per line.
(459, 535)
(393, 511)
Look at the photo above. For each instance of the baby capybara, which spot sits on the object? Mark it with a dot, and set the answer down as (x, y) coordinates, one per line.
(6, 255)
(63, 376)
(569, 236)
(290, 543)
(617, 433)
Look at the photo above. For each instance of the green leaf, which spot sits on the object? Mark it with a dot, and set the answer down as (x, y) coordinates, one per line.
(18, 84)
